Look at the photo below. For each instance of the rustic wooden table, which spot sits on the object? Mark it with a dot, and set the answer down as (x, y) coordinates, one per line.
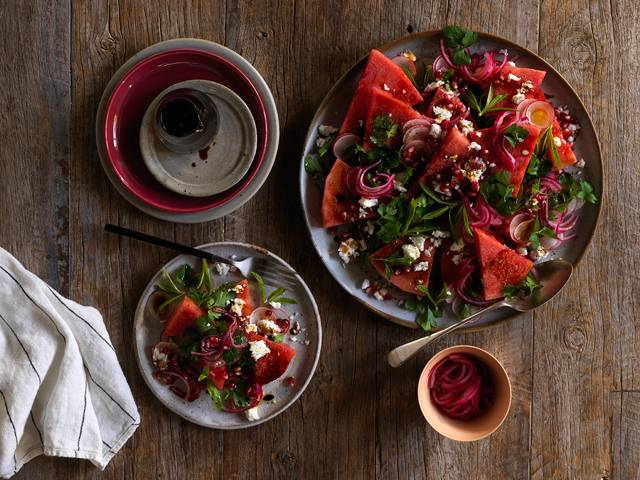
(574, 363)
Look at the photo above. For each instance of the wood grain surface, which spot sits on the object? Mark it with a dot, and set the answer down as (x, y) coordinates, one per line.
(574, 364)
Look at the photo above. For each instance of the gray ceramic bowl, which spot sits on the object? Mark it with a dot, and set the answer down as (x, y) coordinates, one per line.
(147, 332)
(425, 45)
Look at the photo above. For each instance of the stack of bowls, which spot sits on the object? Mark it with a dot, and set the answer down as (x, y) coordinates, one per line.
(134, 87)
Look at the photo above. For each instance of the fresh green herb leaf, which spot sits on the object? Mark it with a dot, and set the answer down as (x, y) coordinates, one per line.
(485, 104)
(169, 301)
(169, 284)
(216, 395)
(260, 282)
(384, 129)
(465, 310)
(435, 197)
(526, 288)
(515, 134)
(460, 56)
(204, 374)
(278, 338)
(205, 276)
(313, 165)
(455, 36)
(427, 319)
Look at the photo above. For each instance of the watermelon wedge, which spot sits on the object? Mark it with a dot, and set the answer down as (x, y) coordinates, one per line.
(338, 204)
(382, 73)
(454, 147)
(405, 281)
(244, 294)
(443, 99)
(273, 365)
(522, 153)
(499, 265)
(504, 86)
(181, 315)
(382, 103)
(565, 153)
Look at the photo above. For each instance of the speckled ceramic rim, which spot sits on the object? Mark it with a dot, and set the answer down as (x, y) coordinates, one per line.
(430, 36)
(316, 357)
(272, 138)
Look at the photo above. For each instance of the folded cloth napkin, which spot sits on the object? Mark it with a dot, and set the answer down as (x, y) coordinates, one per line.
(62, 391)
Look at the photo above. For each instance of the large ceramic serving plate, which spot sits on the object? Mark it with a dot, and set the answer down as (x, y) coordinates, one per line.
(147, 332)
(425, 46)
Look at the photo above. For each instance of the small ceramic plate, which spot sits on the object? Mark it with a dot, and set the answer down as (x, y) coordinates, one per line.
(215, 169)
(170, 62)
(425, 45)
(307, 344)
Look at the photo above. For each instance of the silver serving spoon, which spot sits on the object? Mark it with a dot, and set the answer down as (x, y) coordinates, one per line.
(552, 276)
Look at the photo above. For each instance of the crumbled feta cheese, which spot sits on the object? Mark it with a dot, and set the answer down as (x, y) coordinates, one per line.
(326, 130)
(580, 163)
(418, 241)
(221, 268)
(457, 246)
(369, 228)
(410, 251)
(467, 126)
(385, 87)
(518, 98)
(320, 142)
(421, 267)
(440, 234)
(380, 294)
(275, 304)
(348, 249)
(513, 78)
(522, 250)
(557, 141)
(251, 328)
(479, 134)
(475, 146)
(252, 414)
(258, 349)
(366, 283)
(236, 306)
(160, 359)
(237, 288)
(268, 327)
(368, 202)
(435, 131)
(457, 258)
(570, 139)
(511, 63)
(526, 85)
(525, 152)
(398, 186)
(538, 253)
(434, 85)
(441, 114)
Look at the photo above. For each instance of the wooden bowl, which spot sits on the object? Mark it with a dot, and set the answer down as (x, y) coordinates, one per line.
(487, 422)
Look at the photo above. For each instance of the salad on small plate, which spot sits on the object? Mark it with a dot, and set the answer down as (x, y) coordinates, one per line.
(222, 350)
(446, 178)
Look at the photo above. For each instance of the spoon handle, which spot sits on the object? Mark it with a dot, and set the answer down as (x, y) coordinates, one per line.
(401, 354)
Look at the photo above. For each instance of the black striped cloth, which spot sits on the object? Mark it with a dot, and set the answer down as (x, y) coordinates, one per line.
(62, 391)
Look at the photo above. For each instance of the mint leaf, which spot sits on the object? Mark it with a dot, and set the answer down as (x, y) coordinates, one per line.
(515, 134)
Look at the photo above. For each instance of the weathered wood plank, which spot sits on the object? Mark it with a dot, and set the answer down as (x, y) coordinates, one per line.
(577, 337)
(34, 152)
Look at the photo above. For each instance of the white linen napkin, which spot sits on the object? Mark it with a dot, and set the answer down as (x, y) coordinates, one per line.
(62, 391)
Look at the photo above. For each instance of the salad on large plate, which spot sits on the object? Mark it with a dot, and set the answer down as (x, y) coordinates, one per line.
(449, 177)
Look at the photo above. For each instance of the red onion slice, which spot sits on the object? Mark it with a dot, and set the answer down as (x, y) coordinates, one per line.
(416, 133)
(405, 63)
(343, 142)
(417, 122)
(356, 182)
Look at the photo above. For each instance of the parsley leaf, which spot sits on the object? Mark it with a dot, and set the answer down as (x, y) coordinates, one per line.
(312, 164)
(384, 129)
(498, 191)
(459, 39)
(526, 288)
(515, 134)
(216, 395)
